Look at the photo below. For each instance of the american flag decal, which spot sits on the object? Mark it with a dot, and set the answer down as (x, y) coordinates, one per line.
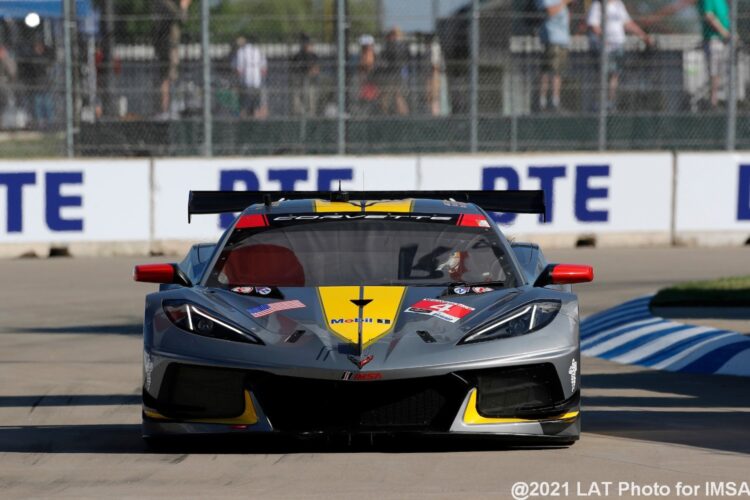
(266, 309)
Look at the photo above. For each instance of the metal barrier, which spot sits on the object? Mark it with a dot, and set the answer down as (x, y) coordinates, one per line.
(247, 77)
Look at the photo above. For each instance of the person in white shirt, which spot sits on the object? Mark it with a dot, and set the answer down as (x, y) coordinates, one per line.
(251, 67)
(619, 23)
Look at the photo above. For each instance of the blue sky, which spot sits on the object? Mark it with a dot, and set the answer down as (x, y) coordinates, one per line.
(416, 15)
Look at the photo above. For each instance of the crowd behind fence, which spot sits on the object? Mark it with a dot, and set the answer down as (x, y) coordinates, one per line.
(231, 77)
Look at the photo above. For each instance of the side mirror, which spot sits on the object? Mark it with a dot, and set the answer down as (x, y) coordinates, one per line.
(565, 274)
(166, 274)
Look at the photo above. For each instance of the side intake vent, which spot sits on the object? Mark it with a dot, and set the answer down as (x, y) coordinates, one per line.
(531, 390)
(197, 392)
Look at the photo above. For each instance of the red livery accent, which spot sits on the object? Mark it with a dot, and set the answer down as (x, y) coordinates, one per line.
(473, 220)
(567, 274)
(367, 376)
(154, 273)
(253, 220)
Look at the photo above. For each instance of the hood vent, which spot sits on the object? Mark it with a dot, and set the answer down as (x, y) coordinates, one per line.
(424, 335)
(294, 337)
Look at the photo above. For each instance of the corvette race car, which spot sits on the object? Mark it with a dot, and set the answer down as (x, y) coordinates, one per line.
(321, 313)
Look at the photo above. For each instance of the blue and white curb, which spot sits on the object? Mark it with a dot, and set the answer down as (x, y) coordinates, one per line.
(630, 334)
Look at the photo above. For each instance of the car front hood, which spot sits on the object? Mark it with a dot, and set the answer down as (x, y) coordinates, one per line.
(324, 331)
(355, 319)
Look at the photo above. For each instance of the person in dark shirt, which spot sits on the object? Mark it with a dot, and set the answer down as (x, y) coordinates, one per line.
(393, 74)
(365, 88)
(34, 74)
(8, 73)
(168, 17)
(305, 72)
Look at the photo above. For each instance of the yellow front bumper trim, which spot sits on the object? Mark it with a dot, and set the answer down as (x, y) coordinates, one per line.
(248, 417)
(472, 416)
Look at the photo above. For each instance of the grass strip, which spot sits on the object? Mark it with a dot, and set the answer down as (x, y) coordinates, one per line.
(722, 292)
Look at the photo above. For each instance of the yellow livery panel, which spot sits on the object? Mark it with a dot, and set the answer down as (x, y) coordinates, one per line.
(374, 317)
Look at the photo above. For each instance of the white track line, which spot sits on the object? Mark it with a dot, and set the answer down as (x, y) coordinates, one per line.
(658, 344)
(589, 341)
(689, 355)
(627, 337)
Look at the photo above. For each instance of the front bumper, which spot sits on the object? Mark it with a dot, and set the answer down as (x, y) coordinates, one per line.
(524, 400)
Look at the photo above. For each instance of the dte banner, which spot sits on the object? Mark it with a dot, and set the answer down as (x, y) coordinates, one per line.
(62, 201)
(713, 192)
(585, 193)
(51, 201)
(174, 178)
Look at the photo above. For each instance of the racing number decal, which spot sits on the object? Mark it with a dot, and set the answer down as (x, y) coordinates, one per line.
(443, 309)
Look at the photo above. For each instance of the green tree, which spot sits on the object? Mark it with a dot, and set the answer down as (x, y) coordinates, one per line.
(283, 20)
(268, 20)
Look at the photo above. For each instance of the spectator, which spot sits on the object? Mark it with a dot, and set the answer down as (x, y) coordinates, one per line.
(34, 74)
(555, 36)
(394, 74)
(8, 70)
(168, 16)
(252, 67)
(437, 92)
(102, 74)
(305, 72)
(716, 34)
(368, 91)
(715, 19)
(618, 23)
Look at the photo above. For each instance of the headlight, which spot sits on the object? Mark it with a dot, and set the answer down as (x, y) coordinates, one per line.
(520, 321)
(193, 319)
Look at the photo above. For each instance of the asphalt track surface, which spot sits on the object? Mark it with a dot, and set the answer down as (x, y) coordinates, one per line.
(70, 368)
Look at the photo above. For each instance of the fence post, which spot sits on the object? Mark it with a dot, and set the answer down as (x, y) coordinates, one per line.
(207, 102)
(732, 80)
(513, 113)
(68, 45)
(108, 50)
(510, 62)
(603, 80)
(341, 73)
(474, 76)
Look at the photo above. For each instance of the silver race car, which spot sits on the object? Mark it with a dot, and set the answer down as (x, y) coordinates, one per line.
(320, 313)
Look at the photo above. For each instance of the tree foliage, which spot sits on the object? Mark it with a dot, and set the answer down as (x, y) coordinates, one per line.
(267, 20)
(284, 20)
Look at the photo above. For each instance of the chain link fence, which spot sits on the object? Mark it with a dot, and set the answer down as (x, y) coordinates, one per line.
(248, 77)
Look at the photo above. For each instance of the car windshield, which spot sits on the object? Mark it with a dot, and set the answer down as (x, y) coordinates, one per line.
(363, 252)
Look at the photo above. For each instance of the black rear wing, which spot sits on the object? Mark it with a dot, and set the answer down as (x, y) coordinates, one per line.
(216, 202)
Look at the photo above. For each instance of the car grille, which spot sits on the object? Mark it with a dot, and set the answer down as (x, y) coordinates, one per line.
(305, 405)
(295, 404)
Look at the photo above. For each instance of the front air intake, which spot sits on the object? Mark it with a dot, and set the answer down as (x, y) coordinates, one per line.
(531, 391)
(194, 392)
